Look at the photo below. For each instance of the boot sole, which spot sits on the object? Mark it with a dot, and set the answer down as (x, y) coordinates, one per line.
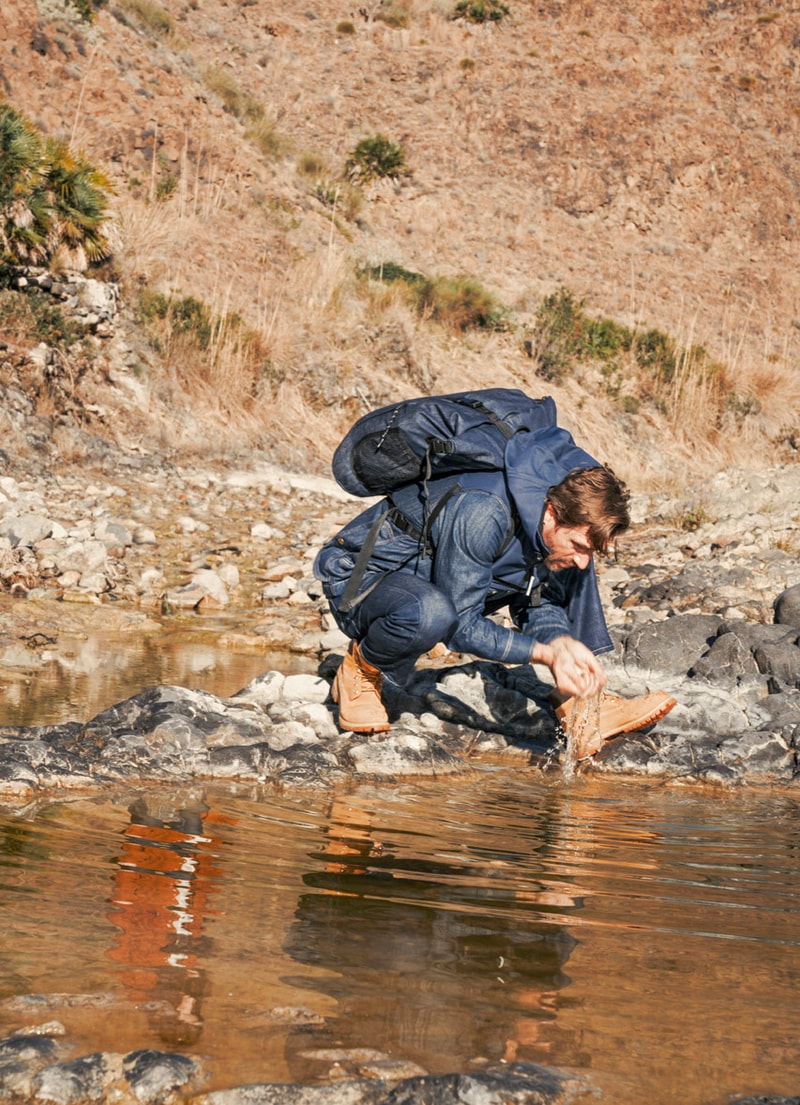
(640, 723)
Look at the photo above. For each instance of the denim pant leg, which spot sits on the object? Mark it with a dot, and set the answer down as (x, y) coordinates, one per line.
(398, 621)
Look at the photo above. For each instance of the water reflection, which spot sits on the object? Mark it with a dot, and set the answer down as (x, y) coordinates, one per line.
(169, 869)
(78, 677)
(647, 935)
(438, 930)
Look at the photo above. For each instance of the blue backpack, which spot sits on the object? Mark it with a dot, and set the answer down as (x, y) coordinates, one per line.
(411, 441)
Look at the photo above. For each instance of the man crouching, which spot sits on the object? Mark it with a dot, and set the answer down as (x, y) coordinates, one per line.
(434, 561)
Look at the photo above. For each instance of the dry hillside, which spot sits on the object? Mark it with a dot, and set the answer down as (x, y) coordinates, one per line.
(642, 154)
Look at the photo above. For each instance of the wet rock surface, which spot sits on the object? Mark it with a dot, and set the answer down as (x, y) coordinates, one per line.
(710, 613)
(35, 1067)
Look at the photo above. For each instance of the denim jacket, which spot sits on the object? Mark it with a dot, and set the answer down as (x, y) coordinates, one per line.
(485, 552)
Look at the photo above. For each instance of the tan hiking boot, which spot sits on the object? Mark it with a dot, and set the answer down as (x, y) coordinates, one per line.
(590, 726)
(357, 691)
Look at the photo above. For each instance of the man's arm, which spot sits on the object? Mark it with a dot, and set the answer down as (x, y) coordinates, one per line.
(469, 534)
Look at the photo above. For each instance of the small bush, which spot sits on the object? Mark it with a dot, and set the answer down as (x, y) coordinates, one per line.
(481, 11)
(566, 335)
(265, 136)
(560, 326)
(460, 303)
(375, 158)
(152, 17)
(185, 316)
(86, 8)
(218, 80)
(345, 27)
(456, 302)
(393, 16)
(693, 519)
(655, 352)
(35, 316)
(166, 187)
(205, 353)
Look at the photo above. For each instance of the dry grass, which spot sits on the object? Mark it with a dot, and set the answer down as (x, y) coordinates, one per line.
(268, 245)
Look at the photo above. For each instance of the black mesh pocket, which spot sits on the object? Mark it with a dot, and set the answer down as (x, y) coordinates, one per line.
(384, 461)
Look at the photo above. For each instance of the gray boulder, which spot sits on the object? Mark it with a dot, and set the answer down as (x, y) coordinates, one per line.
(787, 607)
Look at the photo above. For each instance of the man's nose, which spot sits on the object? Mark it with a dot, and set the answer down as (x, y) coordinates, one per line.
(581, 560)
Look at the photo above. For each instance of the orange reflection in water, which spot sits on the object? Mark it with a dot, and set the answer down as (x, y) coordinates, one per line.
(165, 877)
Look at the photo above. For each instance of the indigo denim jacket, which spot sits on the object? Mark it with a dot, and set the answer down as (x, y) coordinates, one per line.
(485, 553)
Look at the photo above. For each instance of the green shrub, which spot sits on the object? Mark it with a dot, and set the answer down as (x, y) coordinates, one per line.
(560, 325)
(566, 335)
(693, 519)
(390, 272)
(35, 316)
(166, 187)
(345, 27)
(49, 197)
(184, 316)
(481, 11)
(86, 8)
(456, 302)
(655, 353)
(460, 303)
(374, 158)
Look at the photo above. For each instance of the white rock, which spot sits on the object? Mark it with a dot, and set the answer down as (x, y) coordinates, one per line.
(264, 690)
(210, 583)
(143, 535)
(304, 687)
(261, 531)
(229, 574)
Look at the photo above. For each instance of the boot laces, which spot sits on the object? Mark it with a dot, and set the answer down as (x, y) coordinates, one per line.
(367, 680)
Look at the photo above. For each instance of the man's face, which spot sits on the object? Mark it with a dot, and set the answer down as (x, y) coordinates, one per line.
(569, 546)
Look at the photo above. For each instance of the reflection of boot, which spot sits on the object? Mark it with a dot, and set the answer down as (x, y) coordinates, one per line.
(357, 690)
(593, 727)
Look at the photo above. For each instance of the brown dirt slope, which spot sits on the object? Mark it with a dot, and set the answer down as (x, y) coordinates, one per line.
(642, 154)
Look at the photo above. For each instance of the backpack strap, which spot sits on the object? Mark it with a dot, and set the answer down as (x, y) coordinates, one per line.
(498, 423)
(350, 596)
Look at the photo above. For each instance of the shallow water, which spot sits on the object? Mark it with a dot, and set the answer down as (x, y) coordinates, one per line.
(85, 674)
(646, 937)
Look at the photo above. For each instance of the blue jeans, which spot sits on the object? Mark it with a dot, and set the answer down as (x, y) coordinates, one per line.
(398, 621)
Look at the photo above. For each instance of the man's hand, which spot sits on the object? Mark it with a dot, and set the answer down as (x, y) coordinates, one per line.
(575, 668)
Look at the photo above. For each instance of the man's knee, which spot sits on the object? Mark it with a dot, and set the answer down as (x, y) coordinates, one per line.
(437, 618)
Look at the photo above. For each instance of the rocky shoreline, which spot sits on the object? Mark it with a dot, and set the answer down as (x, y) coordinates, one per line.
(703, 599)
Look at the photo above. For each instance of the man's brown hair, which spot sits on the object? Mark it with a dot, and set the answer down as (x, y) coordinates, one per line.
(592, 497)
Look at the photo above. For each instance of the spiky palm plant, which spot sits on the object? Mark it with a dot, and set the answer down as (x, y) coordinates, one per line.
(23, 218)
(79, 201)
(49, 197)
